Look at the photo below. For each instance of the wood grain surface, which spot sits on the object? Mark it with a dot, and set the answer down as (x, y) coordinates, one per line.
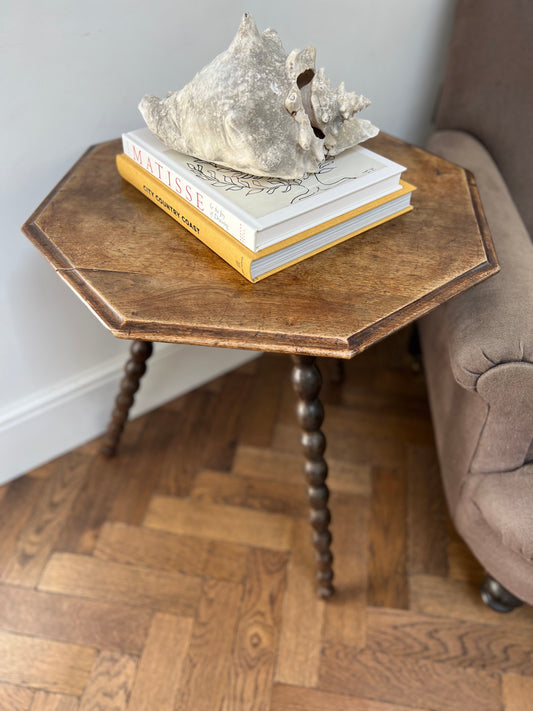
(149, 279)
(202, 598)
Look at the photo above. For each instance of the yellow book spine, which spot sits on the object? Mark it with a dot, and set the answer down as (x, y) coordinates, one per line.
(219, 241)
(213, 236)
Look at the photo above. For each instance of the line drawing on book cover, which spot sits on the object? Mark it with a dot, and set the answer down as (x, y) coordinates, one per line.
(229, 180)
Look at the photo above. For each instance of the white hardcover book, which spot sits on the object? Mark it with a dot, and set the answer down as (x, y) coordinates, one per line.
(332, 235)
(260, 211)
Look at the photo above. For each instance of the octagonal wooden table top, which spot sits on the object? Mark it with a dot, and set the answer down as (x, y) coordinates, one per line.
(148, 278)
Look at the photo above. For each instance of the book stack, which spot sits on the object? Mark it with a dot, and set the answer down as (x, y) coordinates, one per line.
(262, 225)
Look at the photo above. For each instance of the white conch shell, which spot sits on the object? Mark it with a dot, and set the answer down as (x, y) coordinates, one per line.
(255, 109)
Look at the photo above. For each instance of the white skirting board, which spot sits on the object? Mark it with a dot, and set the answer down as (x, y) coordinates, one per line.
(52, 422)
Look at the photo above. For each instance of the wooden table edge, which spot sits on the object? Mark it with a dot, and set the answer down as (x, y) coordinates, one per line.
(347, 348)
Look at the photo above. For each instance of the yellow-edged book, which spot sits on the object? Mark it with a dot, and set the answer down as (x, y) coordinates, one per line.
(261, 211)
(269, 260)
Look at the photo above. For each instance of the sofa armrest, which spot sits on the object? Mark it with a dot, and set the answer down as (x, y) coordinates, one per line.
(493, 322)
(489, 329)
(505, 440)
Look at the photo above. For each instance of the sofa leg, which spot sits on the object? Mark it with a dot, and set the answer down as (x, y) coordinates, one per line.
(497, 597)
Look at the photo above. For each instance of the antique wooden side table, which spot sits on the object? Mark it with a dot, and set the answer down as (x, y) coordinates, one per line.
(147, 279)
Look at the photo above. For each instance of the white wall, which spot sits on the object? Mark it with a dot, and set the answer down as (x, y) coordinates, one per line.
(72, 75)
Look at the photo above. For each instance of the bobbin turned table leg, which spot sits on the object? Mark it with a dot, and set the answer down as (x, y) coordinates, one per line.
(135, 368)
(306, 380)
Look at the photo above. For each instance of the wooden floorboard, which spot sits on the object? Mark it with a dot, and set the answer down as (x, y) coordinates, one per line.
(179, 576)
(159, 672)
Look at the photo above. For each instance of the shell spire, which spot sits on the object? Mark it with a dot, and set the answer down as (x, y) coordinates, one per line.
(247, 31)
(256, 109)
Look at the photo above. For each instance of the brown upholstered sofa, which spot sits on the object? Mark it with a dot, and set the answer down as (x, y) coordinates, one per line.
(478, 349)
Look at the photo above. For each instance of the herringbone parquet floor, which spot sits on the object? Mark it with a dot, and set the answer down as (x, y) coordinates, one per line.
(178, 576)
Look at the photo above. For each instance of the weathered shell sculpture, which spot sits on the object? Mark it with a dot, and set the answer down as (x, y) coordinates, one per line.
(257, 110)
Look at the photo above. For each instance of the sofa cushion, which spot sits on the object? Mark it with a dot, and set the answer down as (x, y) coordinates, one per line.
(506, 437)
